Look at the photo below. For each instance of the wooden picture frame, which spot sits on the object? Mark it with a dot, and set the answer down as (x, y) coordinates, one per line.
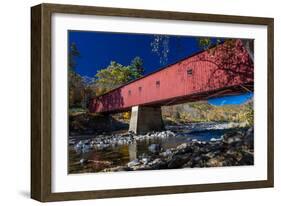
(41, 96)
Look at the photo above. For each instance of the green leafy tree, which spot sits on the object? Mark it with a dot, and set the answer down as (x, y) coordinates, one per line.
(112, 76)
(115, 75)
(137, 68)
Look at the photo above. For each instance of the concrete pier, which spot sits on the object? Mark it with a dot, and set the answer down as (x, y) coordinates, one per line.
(146, 119)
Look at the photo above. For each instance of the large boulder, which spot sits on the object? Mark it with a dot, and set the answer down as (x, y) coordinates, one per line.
(178, 161)
(157, 164)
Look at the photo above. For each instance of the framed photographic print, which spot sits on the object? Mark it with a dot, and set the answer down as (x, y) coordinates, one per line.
(132, 102)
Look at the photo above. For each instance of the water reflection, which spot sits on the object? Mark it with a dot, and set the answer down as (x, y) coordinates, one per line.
(122, 154)
(132, 151)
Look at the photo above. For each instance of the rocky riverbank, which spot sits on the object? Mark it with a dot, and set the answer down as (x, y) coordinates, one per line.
(101, 142)
(232, 149)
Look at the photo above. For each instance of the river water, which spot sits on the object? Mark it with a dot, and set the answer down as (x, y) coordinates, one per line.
(122, 154)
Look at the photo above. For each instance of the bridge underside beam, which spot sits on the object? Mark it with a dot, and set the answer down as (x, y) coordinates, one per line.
(146, 119)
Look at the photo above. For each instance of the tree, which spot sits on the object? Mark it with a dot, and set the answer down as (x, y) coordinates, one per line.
(75, 83)
(137, 67)
(75, 89)
(115, 75)
(79, 90)
(160, 45)
(111, 77)
(206, 43)
(72, 54)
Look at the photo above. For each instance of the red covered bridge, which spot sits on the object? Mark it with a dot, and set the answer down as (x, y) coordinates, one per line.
(226, 69)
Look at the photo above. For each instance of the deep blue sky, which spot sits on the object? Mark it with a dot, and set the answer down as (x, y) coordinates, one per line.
(237, 99)
(97, 49)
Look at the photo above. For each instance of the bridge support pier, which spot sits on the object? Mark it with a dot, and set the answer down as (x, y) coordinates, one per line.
(146, 119)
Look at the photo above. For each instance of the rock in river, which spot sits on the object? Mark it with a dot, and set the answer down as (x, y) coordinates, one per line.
(154, 148)
(134, 163)
(178, 161)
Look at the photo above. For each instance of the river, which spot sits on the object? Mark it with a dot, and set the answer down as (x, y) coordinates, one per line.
(119, 155)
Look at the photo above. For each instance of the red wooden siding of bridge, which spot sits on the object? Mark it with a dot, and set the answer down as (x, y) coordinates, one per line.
(224, 70)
